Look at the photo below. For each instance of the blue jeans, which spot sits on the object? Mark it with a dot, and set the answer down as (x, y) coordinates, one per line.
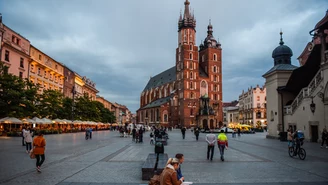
(221, 148)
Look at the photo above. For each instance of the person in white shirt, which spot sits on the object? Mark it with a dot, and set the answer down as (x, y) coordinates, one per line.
(28, 139)
(210, 139)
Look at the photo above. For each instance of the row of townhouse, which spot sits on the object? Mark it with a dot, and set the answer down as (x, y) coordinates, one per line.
(250, 108)
(26, 61)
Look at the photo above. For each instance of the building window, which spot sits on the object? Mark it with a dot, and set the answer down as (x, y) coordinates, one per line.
(39, 71)
(258, 98)
(215, 97)
(13, 39)
(7, 55)
(191, 75)
(32, 67)
(214, 69)
(258, 114)
(190, 66)
(191, 86)
(215, 77)
(21, 63)
(40, 57)
(203, 58)
(20, 74)
(190, 47)
(258, 105)
(214, 57)
(56, 67)
(45, 74)
(191, 112)
(190, 56)
(165, 117)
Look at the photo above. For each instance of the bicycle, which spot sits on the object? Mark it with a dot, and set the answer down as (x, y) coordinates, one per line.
(301, 151)
(87, 135)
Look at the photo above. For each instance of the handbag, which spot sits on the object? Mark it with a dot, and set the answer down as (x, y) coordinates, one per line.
(32, 155)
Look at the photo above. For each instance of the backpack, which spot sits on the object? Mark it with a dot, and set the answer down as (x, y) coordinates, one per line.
(155, 180)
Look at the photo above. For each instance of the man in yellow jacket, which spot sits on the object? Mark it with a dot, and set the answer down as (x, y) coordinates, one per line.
(222, 143)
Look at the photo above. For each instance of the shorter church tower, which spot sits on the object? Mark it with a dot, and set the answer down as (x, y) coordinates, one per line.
(275, 79)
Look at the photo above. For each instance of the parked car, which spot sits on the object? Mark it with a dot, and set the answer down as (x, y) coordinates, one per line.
(229, 130)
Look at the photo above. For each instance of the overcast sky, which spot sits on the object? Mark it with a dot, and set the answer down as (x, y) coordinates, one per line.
(121, 44)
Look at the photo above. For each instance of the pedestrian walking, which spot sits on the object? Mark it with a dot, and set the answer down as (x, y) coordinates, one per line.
(183, 131)
(134, 133)
(140, 135)
(196, 134)
(210, 139)
(181, 160)
(39, 144)
(238, 132)
(169, 174)
(28, 139)
(222, 143)
(23, 139)
(324, 138)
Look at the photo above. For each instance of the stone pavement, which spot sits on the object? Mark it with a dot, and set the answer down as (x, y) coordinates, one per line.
(109, 159)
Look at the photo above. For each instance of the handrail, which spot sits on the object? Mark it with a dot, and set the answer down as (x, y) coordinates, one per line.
(304, 93)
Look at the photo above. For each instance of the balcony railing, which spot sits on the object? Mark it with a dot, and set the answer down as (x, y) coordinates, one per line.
(304, 93)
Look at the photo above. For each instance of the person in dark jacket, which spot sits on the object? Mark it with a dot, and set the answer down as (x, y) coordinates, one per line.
(196, 133)
(140, 135)
(324, 138)
(183, 131)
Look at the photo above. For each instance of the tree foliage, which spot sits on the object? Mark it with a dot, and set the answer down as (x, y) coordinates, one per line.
(20, 98)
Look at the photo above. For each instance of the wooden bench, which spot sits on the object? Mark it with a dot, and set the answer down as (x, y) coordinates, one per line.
(148, 168)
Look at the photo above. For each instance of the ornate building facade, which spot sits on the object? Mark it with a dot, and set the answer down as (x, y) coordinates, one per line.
(14, 51)
(252, 106)
(89, 88)
(189, 93)
(298, 96)
(45, 71)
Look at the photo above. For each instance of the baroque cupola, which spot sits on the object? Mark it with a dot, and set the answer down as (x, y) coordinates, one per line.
(282, 54)
(187, 20)
(210, 41)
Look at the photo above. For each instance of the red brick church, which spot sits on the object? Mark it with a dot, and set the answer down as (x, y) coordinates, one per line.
(190, 93)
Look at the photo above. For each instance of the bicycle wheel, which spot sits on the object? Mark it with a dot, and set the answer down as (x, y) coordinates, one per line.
(291, 151)
(302, 154)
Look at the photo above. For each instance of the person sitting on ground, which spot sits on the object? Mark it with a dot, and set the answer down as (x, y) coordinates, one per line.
(169, 174)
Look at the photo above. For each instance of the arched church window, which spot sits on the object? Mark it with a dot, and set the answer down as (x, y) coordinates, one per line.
(191, 86)
(214, 69)
(215, 78)
(191, 75)
(203, 88)
(214, 57)
(190, 47)
(190, 56)
(165, 117)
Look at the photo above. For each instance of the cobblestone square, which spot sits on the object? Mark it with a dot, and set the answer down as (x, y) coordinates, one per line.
(110, 159)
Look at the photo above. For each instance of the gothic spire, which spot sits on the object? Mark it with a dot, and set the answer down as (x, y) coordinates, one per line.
(188, 20)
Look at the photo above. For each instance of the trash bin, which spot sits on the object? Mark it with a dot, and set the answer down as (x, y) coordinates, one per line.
(159, 148)
(283, 136)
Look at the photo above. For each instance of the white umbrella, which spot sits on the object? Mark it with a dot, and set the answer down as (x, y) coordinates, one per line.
(28, 120)
(10, 120)
(58, 121)
(37, 120)
(46, 121)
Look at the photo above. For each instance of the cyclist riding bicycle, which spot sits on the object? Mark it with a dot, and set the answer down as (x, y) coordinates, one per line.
(298, 139)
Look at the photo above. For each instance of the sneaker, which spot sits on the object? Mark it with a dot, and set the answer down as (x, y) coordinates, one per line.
(38, 169)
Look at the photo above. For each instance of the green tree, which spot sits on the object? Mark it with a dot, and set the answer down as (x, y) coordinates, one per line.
(51, 104)
(67, 109)
(16, 94)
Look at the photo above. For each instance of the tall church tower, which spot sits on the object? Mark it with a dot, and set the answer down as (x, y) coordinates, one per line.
(210, 61)
(187, 68)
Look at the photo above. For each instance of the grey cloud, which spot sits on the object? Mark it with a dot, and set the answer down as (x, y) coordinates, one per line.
(120, 44)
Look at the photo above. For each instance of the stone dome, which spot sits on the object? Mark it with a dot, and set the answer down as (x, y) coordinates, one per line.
(282, 50)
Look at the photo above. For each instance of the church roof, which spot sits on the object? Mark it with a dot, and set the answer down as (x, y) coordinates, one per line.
(162, 78)
(281, 67)
(157, 103)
